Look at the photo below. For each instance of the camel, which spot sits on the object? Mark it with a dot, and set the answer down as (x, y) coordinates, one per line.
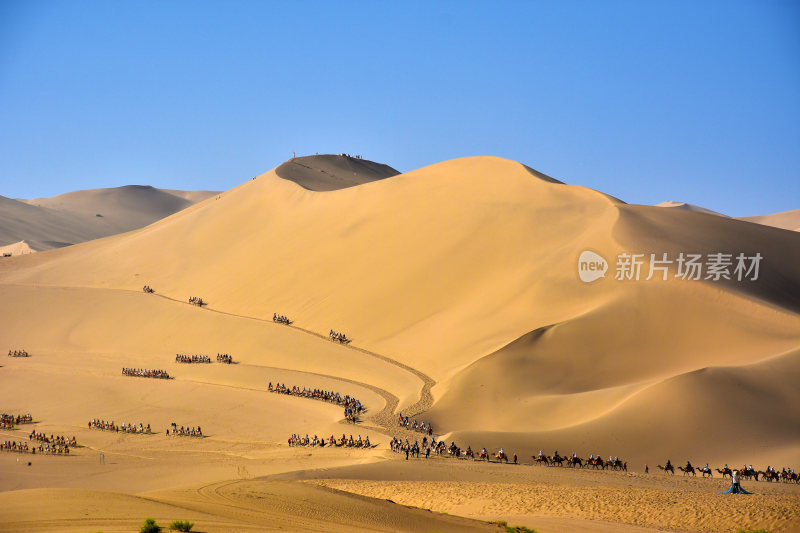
(725, 472)
(597, 462)
(560, 460)
(790, 478)
(769, 476)
(668, 468)
(617, 465)
(687, 471)
(748, 473)
(706, 472)
(574, 461)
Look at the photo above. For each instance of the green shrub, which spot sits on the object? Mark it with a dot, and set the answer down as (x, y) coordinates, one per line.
(150, 526)
(519, 529)
(181, 525)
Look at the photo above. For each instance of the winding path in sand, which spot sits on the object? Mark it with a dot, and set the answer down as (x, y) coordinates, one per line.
(385, 419)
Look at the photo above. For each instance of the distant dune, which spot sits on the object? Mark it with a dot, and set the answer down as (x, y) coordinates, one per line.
(785, 220)
(16, 248)
(689, 207)
(332, 172)
(79, 216)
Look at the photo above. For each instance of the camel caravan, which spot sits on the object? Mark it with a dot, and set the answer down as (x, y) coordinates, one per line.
(53, 445)
(281, 319)
(224, 358)
(787, 475)
(184, 431)
(595, 462)
(352, 407)
(148, 289)
(297, 440)
(195, 300)
(18, 353)
(16, 446)
(183, 358)
(341, 338)
(9, 421)
(96, 423)
(410, 425)
(145, 373)
(441, 448)
(45, 448)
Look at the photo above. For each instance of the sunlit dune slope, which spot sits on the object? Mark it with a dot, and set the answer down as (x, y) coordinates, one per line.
(688, 207)
(445, 267)
(785, 220)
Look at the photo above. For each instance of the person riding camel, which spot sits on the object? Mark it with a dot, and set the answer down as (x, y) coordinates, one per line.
(669, 465)
(689, 465)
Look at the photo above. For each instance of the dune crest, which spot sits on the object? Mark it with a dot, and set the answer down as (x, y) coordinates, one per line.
(332, 172)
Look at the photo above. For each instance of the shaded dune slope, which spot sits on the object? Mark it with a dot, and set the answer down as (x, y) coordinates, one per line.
(79, 216)
(332, 172)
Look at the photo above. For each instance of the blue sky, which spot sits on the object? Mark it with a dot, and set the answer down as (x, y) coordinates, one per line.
(647, 101)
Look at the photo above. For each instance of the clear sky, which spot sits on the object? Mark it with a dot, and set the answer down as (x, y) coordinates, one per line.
(696, 101)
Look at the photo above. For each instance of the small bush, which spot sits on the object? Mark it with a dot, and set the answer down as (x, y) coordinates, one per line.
(181, 525)
(150, 526)
(519, 529)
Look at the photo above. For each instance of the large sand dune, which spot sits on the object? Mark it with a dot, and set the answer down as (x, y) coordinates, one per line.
(785, 220)
(688, 207)
(80, 216)
(458, 284)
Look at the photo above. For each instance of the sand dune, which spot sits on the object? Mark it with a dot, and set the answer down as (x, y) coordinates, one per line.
(79, 216)
(689, 207)
(332, 172)
(16, 248)
(258, 506)
(785, 220)
(458, 285)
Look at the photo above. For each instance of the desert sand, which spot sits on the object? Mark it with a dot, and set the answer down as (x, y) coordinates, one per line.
(785, 220)
(46, 223)
(458, 285)
(689, 207)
